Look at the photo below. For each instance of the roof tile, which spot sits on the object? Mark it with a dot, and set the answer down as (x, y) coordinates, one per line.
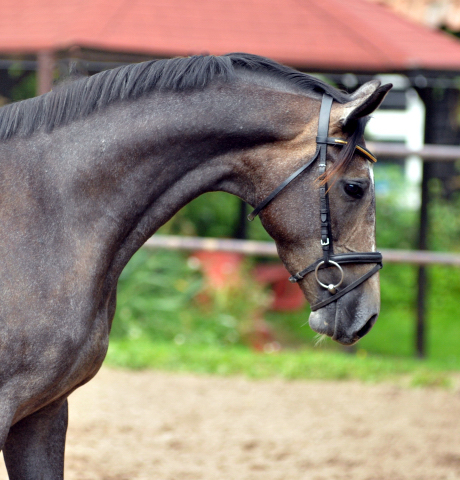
(314, 34)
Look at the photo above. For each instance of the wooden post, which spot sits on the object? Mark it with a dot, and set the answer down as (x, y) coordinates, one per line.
(439, 129)
(45, 69)
(420, 335)
(241, 230)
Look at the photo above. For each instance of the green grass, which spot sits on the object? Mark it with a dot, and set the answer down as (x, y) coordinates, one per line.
(293, 365)
(161, 323)
(394, 332)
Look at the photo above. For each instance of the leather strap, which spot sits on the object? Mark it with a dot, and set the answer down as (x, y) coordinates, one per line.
(347, 289)
(324, 114)
(340, 258)
(277, 190)
(321, 140)
(338, 142)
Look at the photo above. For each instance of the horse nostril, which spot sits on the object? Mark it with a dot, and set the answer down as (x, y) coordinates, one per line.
(367, 326)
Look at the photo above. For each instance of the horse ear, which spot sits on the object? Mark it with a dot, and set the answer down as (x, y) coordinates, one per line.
(363, 102)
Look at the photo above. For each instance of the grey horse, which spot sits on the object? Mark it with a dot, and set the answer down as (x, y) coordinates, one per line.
(91, 170)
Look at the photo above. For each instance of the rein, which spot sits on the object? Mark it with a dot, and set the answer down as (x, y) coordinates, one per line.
(329, 258)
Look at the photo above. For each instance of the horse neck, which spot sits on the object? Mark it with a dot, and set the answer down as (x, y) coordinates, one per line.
(119, 174)
(152, 156)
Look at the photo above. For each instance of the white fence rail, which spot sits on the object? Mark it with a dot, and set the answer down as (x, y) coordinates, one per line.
(268, 249)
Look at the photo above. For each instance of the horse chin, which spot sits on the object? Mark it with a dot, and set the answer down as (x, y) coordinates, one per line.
(345, 326)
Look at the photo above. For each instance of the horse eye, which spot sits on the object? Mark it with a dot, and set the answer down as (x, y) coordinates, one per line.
(354, 190)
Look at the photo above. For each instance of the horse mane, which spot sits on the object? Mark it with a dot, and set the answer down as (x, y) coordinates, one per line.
(80, 98)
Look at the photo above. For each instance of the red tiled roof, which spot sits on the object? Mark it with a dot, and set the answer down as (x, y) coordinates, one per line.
(314, 34)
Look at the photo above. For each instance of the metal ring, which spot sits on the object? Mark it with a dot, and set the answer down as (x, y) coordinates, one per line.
(331, 287)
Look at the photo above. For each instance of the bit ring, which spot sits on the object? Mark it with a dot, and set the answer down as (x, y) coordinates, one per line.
(331, 288)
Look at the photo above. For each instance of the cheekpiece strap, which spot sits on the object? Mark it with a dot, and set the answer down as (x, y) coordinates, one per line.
(323, 130)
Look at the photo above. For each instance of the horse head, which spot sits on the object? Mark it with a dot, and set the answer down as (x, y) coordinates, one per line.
(323, 216)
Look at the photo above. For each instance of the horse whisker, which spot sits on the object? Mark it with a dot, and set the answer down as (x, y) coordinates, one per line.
(320, 338)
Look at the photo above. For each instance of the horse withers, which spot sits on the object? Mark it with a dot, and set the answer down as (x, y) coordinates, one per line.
(92, 169)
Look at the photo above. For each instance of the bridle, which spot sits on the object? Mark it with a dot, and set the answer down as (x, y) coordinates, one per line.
(329, 258)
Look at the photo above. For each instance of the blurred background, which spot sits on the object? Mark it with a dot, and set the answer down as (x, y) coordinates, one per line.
(201, 305)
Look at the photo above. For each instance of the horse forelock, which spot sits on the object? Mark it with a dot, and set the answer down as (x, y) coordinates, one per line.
(348, 151)
(80, 98)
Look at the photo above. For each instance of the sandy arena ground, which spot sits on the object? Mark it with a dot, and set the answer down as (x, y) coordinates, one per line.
(151, 425)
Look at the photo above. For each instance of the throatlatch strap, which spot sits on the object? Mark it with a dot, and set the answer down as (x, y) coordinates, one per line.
(275, 192)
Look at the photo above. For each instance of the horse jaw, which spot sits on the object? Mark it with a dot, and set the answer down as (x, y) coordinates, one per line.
(349, 318)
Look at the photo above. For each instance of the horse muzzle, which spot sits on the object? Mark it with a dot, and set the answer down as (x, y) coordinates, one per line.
(349, 318)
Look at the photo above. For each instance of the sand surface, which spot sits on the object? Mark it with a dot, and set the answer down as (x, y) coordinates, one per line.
(152, 425)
